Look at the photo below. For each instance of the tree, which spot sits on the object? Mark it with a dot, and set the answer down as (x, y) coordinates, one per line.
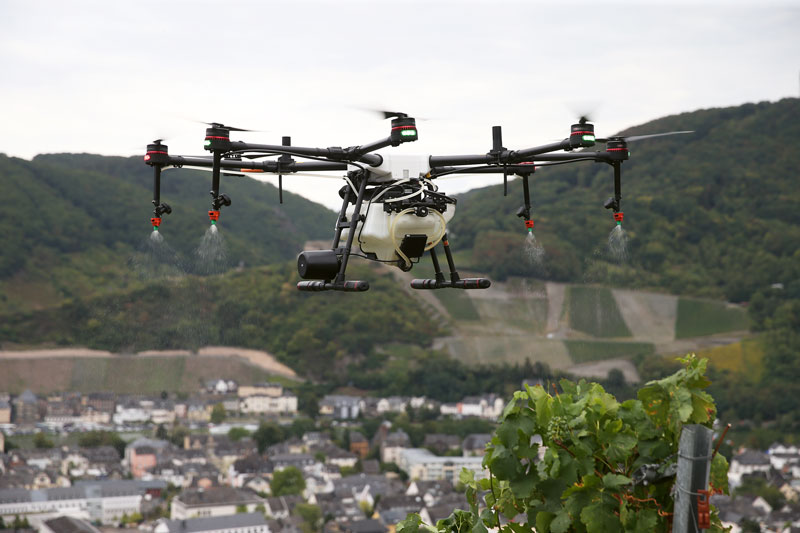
(237, 434)
(288, 482)
(217, 414)
(40, 440)
(161, 432)
(20, 523)
(596, 451)
(240, 509)
(95, 439)
(311, 515)
(267, 434)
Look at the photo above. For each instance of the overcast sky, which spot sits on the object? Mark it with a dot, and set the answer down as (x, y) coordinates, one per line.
(106, 77)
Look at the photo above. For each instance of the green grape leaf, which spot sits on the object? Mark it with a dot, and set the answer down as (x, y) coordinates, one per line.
(615, 481)
(599, 518)
(561, 522)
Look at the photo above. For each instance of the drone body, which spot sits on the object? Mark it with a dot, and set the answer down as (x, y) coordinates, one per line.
(392, 210)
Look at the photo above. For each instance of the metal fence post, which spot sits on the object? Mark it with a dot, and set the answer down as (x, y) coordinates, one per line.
(694, 465)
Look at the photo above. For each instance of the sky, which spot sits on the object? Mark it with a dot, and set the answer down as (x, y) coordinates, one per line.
(108, 77)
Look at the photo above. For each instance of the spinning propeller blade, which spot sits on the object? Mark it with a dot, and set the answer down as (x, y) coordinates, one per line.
(640, 137)
(223, 126)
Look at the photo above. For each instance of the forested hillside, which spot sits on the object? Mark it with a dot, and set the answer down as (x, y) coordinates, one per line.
(714, 213)
(74, 221)
(318, 334)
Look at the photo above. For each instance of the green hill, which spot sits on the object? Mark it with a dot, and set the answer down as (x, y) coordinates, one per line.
(317, 334)
(75, 221)
(710, 214)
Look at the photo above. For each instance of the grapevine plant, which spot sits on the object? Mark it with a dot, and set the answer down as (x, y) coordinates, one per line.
(579, 461)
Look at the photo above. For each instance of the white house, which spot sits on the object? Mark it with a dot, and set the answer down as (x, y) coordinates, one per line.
(423, 465)
(236, 523)
(745, 463)
(285, 404)
(214, 501)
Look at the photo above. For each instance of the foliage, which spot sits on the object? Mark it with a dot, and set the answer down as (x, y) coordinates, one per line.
(709, 214)
(240, 509)
(698, 318)
(580, 477)
(267, 434)
(94, 439)
(311, 515)
(237, 433)
(40, 440)
(253, 308)
(287, 482)
(18, 523)
(134, 518)
(91, 215)
(755, 485)
(217, 413)
(583, 351)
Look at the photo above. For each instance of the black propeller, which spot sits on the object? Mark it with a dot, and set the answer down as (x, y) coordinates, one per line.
(640, 137)
(393, 114)
(224, 127)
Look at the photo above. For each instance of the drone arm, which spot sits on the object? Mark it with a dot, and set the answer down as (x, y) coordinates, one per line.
(359, 153)
(527, 153)
(436, 161)
(538, 153)
(264, 166)
(362, 152)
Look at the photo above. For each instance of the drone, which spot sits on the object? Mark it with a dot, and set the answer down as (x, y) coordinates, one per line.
(392, 210)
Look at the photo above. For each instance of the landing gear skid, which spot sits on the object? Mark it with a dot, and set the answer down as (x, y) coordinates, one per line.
(456, 282)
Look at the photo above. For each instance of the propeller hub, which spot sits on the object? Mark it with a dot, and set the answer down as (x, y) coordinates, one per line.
(617, 149)
(218, 137)
(581, 135)
(157, 153)
(404, 129)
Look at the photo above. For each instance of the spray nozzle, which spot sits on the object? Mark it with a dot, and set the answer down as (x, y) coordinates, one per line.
(618, 217)
(156, 222)
(213, 216)
(529, 225)
(524, 213)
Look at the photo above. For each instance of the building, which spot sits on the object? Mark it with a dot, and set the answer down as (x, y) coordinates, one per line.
(359, 444)
(340, 406)
(5, 411)
(142, 455)
(284, 404)
(393, 445)
(440, 443)
(26, 408)
(746, 463)
(215, 501)
(261, 389)
(236, 523)
(474, 444)
(101, 501)
(67, 524)
(421, 464)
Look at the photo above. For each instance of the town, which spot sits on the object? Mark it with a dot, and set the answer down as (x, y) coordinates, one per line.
(242, 459)
(231, 458)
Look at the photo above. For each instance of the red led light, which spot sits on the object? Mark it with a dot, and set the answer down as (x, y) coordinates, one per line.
(147, 157)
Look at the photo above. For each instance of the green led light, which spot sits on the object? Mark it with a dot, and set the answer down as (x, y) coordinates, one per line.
(208, 142)
(588, 138)
(408, 133)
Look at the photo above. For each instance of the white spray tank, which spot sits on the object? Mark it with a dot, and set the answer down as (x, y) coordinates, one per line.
(381, 233)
